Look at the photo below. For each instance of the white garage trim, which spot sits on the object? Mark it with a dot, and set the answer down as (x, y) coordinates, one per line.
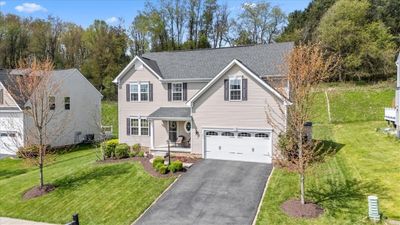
(253, 131)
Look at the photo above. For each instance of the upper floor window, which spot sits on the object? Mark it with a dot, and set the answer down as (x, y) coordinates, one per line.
(177, 91)
(235, 89)
(139, 92)
(52, 103)
(67, 103)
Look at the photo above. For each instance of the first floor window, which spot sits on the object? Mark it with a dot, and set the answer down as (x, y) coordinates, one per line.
(235, 89)
(144, 127)
(134, 126)
(177, 91)
(139, 126)
(52, 103)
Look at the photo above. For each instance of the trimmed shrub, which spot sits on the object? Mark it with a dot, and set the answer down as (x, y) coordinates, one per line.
(122, 151)
(136, 147)
(176, 166)
(158, 166)
(163, 169)
(140, 154)
(158, 160)
(109, 148)
(132, 154)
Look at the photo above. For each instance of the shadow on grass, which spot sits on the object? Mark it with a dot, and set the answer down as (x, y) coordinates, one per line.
(10, 173)
(344, 196)
(96, 173)
(326, 148)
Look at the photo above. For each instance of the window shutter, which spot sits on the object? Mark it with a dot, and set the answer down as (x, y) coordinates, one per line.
(128, 93)
(128, 126)
(184, 91)
(1, 96)
(226, 89)
(244, 89)
(150, 92)
(169, 91)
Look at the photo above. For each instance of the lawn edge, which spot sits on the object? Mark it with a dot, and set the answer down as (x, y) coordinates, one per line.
(155, 201)
(263, 196)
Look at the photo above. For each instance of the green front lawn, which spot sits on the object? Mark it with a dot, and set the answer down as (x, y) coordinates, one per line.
(367, 162)
(101, 193)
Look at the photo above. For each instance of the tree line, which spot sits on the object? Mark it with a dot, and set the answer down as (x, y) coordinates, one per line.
(364, 33)
(102, 50)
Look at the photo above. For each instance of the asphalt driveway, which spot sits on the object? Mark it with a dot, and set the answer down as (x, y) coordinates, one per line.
(212, 192)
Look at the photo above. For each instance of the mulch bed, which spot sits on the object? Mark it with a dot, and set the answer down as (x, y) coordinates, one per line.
(146, 165)
(294, 208)
(37, 191)
(185, 159)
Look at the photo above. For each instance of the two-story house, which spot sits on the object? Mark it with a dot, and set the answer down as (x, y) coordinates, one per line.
(212, 103)
(75, 109)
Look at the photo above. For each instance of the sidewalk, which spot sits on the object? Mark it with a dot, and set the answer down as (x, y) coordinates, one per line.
(11, 221)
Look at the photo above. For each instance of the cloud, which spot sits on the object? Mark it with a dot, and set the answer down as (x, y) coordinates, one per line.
(2, 3)
(30, 8)
(112, 20)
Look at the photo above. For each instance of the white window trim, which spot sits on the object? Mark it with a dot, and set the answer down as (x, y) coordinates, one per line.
(139, 92)
(241, 88)
(139, 126)
(172, 91)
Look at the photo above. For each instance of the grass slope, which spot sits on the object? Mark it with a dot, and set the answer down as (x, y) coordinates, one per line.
(109, 113)
(367, 162)
(101, 193)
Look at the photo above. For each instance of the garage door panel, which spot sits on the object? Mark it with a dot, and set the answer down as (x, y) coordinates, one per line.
(251, 149)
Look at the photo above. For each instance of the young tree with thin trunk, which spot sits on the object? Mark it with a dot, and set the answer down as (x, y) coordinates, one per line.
(35, 88)
(307, 66)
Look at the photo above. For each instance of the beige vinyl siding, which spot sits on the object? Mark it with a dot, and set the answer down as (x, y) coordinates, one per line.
(160, 99)
(210, 110)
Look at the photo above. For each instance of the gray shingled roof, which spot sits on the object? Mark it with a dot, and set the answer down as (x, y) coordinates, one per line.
(7, 75)
(170, 112)
(262, 59)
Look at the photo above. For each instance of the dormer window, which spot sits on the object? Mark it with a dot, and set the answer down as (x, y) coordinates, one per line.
(235, 89)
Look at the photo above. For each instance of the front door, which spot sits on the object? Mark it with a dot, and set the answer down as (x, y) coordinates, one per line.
(172, 129)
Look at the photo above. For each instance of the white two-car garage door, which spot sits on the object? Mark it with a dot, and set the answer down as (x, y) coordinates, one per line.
(240, 145)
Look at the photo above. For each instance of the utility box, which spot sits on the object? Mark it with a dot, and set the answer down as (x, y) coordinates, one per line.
(373, 208)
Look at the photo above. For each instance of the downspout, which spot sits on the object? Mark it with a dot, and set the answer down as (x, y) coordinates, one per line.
(397, 98)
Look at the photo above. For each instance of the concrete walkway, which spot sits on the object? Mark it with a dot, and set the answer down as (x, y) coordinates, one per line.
(11, 221)
(212, 192)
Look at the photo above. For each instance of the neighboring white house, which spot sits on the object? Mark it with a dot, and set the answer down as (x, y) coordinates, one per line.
(212, 103)
(393, 114)
(77, 110)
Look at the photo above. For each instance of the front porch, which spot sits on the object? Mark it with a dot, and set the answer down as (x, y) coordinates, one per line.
(170, 126)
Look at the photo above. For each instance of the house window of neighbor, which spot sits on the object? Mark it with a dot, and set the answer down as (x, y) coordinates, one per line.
(67, 103)
(144, 127)
(235, 89)
(52, 103)
(134, 126)
(139, 92)
(177, 91)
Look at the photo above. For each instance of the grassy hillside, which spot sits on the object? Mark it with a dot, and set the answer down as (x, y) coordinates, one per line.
(109, 112)
(366, 162)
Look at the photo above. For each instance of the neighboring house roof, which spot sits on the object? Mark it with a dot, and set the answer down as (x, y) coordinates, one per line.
(249, 72)
(171, 112)
(264, 60)
(6, 77)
